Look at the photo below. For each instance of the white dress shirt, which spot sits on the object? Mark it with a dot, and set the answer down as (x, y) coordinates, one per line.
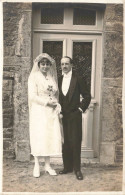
(66, 82)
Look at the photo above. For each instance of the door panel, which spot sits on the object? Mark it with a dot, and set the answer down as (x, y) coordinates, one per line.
(82, 58)
(55, 50)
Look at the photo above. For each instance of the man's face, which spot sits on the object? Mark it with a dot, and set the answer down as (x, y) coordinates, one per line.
(66, 66)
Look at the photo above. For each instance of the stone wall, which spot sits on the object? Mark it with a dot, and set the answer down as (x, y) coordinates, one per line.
(17, 64)
(112, 133)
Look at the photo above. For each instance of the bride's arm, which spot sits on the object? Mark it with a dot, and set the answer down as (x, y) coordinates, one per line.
(32, 93)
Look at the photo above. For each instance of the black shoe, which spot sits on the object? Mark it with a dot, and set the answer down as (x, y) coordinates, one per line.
(79, 175)
(65, 171)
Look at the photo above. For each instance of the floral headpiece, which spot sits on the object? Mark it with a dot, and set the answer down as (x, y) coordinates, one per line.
(44, 55)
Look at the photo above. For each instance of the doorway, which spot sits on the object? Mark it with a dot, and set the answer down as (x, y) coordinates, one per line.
(75, 31)
(86, 53)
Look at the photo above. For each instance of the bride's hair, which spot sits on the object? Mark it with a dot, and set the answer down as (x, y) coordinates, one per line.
(42, 61)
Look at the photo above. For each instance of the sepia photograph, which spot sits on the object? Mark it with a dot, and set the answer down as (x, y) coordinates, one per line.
(63, 97)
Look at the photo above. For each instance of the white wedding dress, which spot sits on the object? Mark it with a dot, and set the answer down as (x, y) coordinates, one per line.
(45, 126)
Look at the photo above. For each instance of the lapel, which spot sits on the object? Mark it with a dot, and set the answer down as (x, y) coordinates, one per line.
(72, 86)
(60, 83)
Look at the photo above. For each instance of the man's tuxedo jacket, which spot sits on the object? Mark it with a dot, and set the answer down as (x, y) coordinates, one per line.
(77, 87)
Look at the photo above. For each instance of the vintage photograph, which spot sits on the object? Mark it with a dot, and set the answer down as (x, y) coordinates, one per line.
(62, 97)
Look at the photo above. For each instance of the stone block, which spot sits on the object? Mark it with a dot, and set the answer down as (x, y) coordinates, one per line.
(24, 80)
(119, 153)
(7, 121)
(7, 111)
(108, 109)
(112, 82)
(8, 71)
(7, 144)
(110, 98)
(27, 26)
(20, 62)
(119, 101)
(7, 96)
(8, 130)
(7, 85)
(18, 6)
(113, 54)
(7, 105)
(26, 51)
(113, 12)
(21, 130)
(8, 153)
(111, 109)
(112, 88)
(111, 130)
(7, 135)
(114, 26)
(8, 74)
(7, 99)
(10, 36)
(107, 153)
(119, 147)
(9, 51)
(22, 151)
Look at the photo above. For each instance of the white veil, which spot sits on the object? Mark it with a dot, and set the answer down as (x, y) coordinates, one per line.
(52, 72)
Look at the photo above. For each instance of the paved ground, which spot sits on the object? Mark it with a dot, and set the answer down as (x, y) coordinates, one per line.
(17, 177)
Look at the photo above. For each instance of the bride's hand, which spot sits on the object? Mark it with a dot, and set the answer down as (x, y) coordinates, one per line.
(52, 104)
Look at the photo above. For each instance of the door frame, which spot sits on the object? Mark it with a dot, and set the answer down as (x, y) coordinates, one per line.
(96, 70)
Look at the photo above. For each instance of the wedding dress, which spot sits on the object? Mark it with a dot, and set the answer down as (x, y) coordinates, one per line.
(44, 122)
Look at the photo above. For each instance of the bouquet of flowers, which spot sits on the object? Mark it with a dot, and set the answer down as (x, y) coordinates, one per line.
(58, 106)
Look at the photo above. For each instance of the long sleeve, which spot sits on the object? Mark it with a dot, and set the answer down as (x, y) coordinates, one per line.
(32, 93)
(84, 91)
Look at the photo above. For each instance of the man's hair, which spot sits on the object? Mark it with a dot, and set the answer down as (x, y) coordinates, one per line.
(71, 60)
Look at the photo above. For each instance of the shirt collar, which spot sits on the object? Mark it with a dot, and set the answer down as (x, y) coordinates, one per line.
(68, 74)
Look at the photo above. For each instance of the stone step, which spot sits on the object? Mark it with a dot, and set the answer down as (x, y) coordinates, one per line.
(119, 152)
(119, 157)
(119, 147)
(119, 160)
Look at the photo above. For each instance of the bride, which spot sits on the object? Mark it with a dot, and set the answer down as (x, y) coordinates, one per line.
(44, 113)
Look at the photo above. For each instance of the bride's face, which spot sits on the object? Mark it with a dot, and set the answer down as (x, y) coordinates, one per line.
(44, 65)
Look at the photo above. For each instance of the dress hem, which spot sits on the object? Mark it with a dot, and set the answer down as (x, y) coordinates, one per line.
(43, 155)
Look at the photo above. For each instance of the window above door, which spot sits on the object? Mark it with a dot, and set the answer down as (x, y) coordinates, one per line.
(67, 16)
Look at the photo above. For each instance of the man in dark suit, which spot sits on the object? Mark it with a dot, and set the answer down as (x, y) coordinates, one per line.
(71, 87)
